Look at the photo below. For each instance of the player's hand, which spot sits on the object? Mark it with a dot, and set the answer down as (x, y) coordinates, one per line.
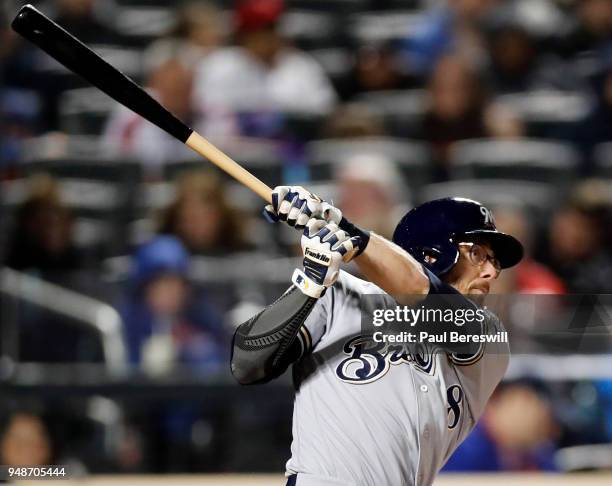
(325, 247)
(296, 206)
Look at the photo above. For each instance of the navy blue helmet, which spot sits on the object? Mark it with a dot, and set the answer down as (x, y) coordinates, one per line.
(435, 228)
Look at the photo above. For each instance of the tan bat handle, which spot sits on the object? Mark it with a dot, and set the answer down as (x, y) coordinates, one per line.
(206, 149)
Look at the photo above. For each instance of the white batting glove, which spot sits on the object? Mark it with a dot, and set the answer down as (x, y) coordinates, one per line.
(296, 206)
(325, 248)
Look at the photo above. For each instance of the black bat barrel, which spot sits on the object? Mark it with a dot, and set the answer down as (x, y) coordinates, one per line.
(80, 59)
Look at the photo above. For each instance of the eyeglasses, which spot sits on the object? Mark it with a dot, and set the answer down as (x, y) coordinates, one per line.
(478, 256)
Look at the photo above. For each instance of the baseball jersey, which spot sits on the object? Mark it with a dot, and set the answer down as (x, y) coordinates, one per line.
(366, 415)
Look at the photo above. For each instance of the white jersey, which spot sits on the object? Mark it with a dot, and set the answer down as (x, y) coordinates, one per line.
(367, 416)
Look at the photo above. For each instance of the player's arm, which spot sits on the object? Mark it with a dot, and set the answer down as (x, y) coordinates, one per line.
(381, 261)
(265, 345)
(392, 268)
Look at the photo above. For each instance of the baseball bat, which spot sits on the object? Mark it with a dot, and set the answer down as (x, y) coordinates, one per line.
(80, 59)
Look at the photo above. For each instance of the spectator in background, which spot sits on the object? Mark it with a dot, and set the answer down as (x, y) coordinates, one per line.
(42, 243)
(198, 31)
(25, 441)
(529, 276)
(518, 64)
(579, 240)
(29, 438)
(80, 18)
(516, 286)
(370, 192)
(20, 111)
(591, 32)
(513, 58)
(457, 106)
(170, 325)
(375, 68)
(459, 110)
(456, 28)
(169, 63)
(517, 432)
(260, 76)
(129, 135)
(42, 238)
(596, 128)
(351, 120)
(202, 218)
(167, 322)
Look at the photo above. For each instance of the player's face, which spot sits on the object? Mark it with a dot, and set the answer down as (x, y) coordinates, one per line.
(475, 269)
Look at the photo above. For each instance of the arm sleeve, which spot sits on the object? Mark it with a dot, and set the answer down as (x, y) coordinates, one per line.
(265, 345)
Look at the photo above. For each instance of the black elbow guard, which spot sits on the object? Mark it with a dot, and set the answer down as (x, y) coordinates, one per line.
(261, 345)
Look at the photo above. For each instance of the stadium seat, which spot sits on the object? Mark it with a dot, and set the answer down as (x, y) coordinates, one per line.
(57, 324)
(224, 279)
(548, 113)
(377, 27)
(310, 29)
(412, 158)
(143, 3)
(336, 6)
(55, 146)
(84, 111)
(5, 219)
(155, 195)
(533, 196)
(141, 24)
(531, 160)
(589, 457)
(100, 192)
(304, 126)
(267, 277)
(402, 110)
(400, 4)
(603, 159)
(263, 158)
(337, 62)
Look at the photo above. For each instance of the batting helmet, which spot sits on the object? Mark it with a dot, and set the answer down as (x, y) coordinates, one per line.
(435, 228)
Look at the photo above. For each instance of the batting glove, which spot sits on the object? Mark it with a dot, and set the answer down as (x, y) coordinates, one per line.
(325, 246)
(296, 206)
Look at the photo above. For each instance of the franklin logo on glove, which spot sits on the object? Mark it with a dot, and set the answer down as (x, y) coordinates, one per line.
(319, 257)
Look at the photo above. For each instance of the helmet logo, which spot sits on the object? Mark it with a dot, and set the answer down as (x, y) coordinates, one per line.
(488, 216)
(429, 259)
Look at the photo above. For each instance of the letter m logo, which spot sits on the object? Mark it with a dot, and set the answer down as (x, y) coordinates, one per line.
(488, 216)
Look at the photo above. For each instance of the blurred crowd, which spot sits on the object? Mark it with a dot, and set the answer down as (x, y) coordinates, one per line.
(377, 105)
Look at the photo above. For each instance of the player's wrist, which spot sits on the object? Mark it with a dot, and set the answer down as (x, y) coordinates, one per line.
(307, 285)
(354, 230)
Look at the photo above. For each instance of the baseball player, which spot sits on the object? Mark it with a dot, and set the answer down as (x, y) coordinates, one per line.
(364, 414)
